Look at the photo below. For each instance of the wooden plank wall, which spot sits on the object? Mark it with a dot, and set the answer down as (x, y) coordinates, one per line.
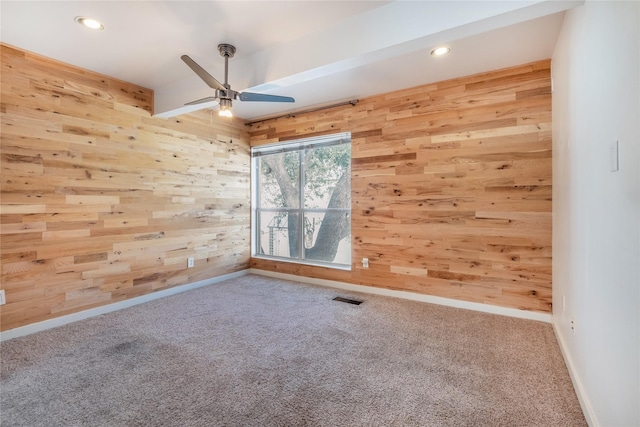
(451, 187)
(100, 201)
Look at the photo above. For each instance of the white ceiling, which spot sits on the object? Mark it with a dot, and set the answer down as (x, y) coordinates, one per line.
(319, 52)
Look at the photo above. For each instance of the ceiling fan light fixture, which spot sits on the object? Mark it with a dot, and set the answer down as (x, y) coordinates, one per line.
(90, 23)
(225, 108)
(440, 51)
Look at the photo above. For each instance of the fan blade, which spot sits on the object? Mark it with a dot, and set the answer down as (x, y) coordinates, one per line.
(202, 101)
(250, 96)
(208, 78)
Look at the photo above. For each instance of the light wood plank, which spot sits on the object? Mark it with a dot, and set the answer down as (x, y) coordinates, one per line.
(451, 187)
(100, 201)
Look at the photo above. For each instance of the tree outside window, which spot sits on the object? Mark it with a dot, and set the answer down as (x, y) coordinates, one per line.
(302, 200)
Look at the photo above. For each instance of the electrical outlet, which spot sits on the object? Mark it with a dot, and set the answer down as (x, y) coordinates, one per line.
(365, 262)
(190, 262)
(573, 326)
(3, 300)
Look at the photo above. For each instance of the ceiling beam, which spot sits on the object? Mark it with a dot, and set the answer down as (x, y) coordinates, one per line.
(385, 32)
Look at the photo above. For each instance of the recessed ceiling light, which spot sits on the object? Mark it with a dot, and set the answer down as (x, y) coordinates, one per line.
(89, 23)
(439, 51)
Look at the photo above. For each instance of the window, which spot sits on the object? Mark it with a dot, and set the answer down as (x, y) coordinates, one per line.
(302, 201)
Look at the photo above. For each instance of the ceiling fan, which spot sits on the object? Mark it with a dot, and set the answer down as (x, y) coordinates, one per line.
(223, 91)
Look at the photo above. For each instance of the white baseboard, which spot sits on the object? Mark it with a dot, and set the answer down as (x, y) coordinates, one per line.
(485, 308)
(97, 311)
(587, 409)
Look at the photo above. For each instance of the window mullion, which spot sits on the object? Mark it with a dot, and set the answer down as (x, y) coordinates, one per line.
(256, 223)
(301, 254)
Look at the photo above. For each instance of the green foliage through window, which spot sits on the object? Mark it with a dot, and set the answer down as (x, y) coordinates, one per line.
(302, 200)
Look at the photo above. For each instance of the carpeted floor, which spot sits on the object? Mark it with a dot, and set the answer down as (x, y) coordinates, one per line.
(256, 351)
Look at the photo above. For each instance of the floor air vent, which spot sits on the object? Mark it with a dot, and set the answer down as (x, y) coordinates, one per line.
(347, 300)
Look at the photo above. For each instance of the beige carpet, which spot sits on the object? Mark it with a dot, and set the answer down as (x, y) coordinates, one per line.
(256, 351)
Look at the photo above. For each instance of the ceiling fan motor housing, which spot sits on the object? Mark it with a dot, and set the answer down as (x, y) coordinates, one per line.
(226, 94)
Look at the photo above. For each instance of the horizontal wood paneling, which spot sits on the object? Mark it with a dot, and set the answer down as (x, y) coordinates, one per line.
(100, 201)
(451, 187)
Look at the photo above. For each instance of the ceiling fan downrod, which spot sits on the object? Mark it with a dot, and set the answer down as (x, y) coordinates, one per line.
(227, 51)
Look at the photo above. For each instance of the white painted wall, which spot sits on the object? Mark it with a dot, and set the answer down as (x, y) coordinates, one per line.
(596, 223)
